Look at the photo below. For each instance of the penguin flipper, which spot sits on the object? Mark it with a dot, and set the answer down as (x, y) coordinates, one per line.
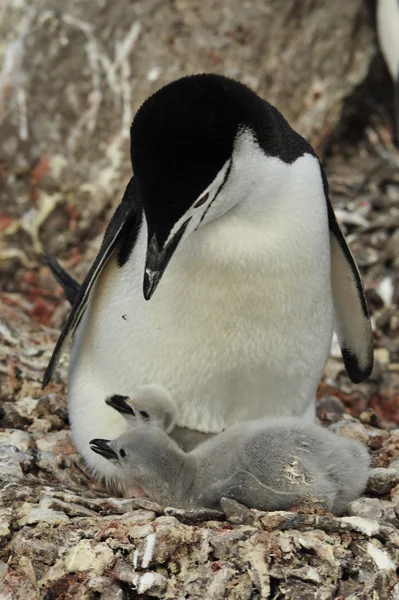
(125, 217)
(352, 321)
(70, 286)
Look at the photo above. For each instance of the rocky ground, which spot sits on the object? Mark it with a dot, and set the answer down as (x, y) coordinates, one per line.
(70, 82)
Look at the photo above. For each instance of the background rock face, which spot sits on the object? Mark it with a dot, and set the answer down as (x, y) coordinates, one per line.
(72, 75)
(75, 73)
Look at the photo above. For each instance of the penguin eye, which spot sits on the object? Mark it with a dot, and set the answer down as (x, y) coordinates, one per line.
(202, 200)
(122, 453)
(145, 415)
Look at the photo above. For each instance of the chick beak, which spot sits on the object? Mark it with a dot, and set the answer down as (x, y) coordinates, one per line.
(102, 448)
(121, 404)
(158, 259)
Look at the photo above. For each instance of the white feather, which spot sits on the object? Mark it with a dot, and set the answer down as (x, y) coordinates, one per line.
(388, 33)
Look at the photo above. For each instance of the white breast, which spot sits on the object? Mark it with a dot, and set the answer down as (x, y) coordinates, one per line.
(239, 327)
(388, 33)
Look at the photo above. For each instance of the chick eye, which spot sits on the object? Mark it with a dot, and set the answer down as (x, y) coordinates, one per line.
(144, 414)
(202, 200)
(122, 453)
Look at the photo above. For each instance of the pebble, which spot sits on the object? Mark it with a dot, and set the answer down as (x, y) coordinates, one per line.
(369, 417)
(369, 508)
(331, 405)
(381, 481)
(16, 437)
(350, 429)
(86, 557)
(195, 515)
(237, 513)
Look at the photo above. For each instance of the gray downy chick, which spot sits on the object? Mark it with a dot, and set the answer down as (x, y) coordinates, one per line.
(270, 464)
(148, 404)
(154, 402)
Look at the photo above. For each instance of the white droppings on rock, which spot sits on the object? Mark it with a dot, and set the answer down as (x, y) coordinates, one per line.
(385, 290)
(84, 557)
(380, 558)
(152, 583)
(383, 356)
(154, 73)
(149, 550)
(135, 558)
(366, 526)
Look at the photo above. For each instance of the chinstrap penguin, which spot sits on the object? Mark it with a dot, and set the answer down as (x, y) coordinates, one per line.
(221, 273)
(269, 464)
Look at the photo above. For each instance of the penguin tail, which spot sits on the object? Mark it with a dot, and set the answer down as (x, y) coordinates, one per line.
(70, 286)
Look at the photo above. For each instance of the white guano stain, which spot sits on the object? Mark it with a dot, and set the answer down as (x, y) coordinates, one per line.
(366, 526)
(149, 549)
(135, 559)
(380, 558)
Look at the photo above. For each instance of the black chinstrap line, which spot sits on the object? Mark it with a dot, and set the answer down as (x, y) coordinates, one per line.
(217, 193)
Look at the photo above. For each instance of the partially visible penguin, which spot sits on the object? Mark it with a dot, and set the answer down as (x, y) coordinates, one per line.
(221, 274)
(269, 464)
(388, 37)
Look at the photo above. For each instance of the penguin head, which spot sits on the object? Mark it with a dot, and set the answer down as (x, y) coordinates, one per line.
(145, 455)
(130, 452)
(149, 404)
(183, 142)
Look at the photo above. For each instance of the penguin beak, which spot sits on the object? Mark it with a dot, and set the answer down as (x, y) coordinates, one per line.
(158, 259)
(102, 448)
(121, 404)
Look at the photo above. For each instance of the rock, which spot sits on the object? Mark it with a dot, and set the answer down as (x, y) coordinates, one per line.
(147, 504)
(236, 512)
(332, 406)
(82, 137)
(369, 417)
(17, 438)
(351, 429)
(152, 584)
(394, 465)
(88, 557)
(194, 515)
(369, 508)
(381, 481)
(33, 515)
(6, 518)
(12, 463)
